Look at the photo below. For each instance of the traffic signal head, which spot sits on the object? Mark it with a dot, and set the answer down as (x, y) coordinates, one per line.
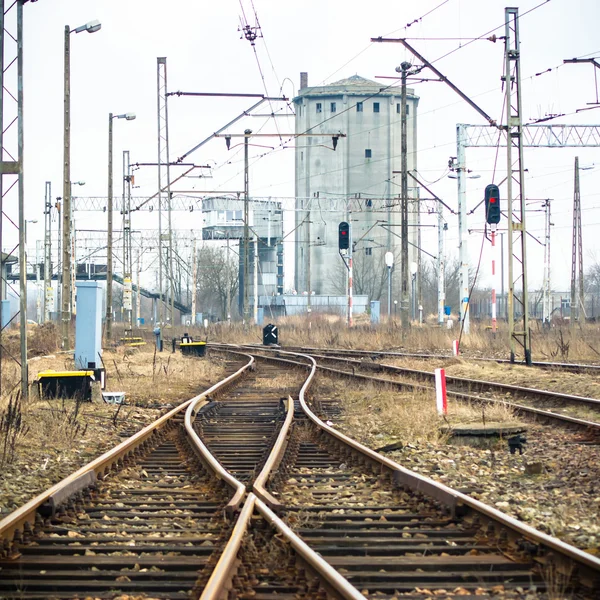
(492, 204)
(344, 236)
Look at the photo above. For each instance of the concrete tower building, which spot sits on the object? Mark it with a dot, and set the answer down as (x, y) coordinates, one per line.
(356, 181)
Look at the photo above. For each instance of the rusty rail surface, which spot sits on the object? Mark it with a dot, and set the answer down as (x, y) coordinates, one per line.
(448, 496)
(338, 584)
(259, 486)
(465, 381)
(99, 466)
(522, 409)
(208, 458)
(220, 582)
(574, 367)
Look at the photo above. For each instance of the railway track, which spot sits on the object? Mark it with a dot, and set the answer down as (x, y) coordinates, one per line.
(205, 502)
(591, 368)
(536, 404)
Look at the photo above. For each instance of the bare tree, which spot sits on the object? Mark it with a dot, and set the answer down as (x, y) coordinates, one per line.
(429, 283)
(592, 287)
(369, 275)
(216, 275)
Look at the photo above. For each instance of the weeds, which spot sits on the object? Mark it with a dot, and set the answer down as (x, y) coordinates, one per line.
(12, 428)
(562, 347)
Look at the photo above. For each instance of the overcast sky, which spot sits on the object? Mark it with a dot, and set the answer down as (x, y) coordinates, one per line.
(114, 70)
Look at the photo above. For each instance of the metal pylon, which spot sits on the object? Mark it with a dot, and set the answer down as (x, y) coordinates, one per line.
(577, 308)
(165, 263)
(518, 309)
(11, 178)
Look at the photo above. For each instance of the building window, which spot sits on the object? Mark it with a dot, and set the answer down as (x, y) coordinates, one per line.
(367, 152)
(369, 203)
(301, 156)
(359, 107)
(375, 107)
(333, 107)
(319, 107)
(399, 108)
(369, 251)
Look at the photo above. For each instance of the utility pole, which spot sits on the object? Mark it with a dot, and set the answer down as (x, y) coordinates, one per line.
(138, 297)
(255, 286)
(463, 252)
(109, 245)
(39, 283)
(547, 286)
(516, 209)
(308, 256)
(350, 281)
(245, 307)
(127, 259)
(228, 285)
(59, 260)
(404, 298)
(441, 265)
(48, 296)
(164, 179)
(194, 280)
(577, 309)
(66, 204)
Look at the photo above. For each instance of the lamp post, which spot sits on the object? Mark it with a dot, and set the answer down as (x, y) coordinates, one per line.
(461, 174)
(109, 245)
(389, 262)
(90, 27)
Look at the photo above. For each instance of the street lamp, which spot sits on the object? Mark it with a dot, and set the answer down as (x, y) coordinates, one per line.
(90, 27)
(389, 262)
(109, 245)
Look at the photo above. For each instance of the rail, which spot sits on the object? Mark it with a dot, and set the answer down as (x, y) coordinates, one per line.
(207, 457)
(273, 461)
(452, 498)
(73, 483)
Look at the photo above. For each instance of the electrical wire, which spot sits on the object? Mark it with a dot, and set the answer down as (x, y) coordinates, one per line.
(487, 33)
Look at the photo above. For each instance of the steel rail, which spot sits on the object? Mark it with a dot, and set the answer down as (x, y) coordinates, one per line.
(481, 382)
(220, 581)
(208, 458)
(338, 584)
(541, 364)
(272, 462)
(83, 476)
(450, 497)
(520, 408)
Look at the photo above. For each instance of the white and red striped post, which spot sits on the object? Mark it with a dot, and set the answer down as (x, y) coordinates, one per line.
(441, 401)
(349, 269)
(455, 348)
(493, 237)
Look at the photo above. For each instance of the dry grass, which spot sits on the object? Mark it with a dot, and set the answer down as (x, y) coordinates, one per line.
(380, 416)
(149, 377)
(322, 330)
(283, 382)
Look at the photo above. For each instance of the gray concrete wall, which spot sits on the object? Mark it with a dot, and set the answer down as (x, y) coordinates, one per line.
(326, 179)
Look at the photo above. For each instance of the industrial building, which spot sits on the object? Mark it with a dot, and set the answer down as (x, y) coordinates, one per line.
(354, 177)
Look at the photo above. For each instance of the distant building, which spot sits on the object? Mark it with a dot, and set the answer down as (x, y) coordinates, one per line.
(364, 169)
(223, 219)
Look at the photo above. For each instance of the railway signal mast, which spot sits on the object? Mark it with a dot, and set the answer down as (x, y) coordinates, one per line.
(517, 231)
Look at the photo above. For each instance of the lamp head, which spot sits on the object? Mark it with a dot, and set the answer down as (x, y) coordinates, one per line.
(90, 27)
(389, 259)
(130, 116)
